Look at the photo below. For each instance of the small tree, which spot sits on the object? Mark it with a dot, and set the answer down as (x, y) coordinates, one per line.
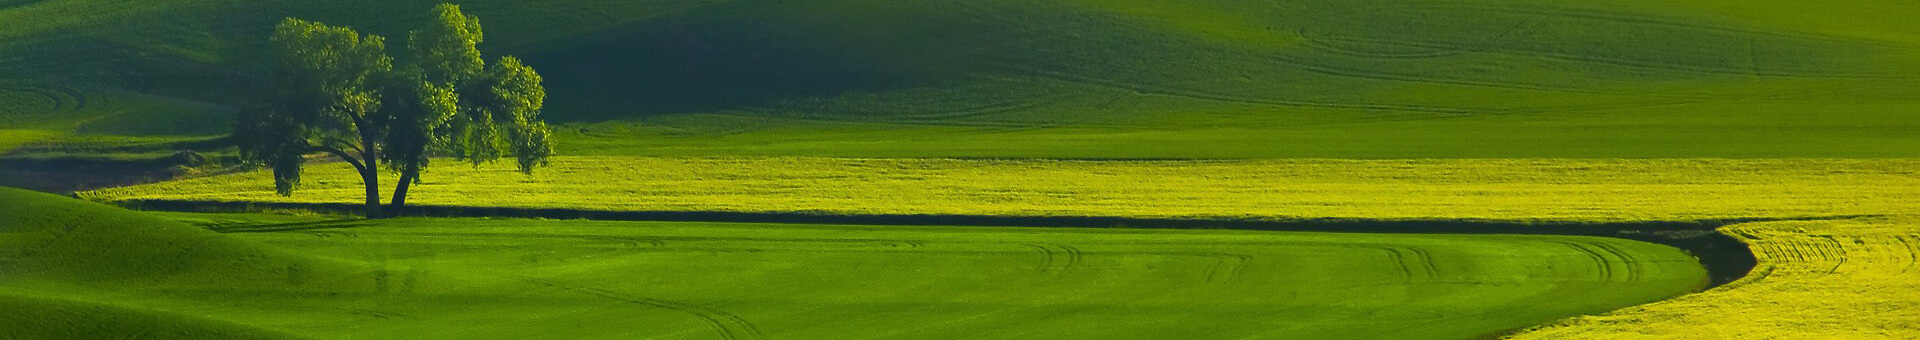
(338, 93)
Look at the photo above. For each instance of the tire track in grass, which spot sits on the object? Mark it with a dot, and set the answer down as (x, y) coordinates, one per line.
(1833, 249)
(1913, 252)
(1227, 267)
(1055, 257)
(1399, 263)
(1632, 266)
(1605, 266)
(1412, 263)
(727, 325)
(1426, 262)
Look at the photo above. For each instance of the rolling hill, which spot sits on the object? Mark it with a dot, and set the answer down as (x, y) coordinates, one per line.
(86, 270)
(1041, 78)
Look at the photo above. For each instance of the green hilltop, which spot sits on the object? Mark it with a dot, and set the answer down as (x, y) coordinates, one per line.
(1057, 78)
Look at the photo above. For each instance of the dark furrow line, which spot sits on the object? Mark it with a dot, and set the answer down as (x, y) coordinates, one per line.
(1839, 252)
(1046, 258)
(1400, 263)
(1633, 267)
(1913, 253)
(1605, 266)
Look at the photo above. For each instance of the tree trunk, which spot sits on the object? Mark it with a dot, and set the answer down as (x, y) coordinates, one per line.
(371, 176)
(399, 204)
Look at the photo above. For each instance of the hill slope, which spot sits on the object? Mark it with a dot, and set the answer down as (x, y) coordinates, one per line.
(1080, 78)
(67, 269)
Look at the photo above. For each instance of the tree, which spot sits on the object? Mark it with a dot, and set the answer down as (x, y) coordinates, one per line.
(325, 99)
(444, 100)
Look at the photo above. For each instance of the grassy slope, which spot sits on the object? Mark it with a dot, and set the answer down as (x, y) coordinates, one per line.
(1082, 78)
(53, 248)
(466, 278)
(52, 318)
(1572, 190)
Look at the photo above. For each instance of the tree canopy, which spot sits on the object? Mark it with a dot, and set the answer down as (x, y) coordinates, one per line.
(337, 92)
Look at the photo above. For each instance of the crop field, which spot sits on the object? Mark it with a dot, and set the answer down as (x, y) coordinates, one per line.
(1817, 280)
(1556, 190)
(465, 278)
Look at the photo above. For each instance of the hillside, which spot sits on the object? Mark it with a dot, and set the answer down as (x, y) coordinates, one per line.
(72, 269)
(1048, 78)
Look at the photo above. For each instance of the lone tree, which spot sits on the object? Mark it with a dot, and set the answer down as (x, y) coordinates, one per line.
(337, 93)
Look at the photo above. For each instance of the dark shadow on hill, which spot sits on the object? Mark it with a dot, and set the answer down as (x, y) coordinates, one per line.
(1725, 258)
(723, 57)
(64, 170)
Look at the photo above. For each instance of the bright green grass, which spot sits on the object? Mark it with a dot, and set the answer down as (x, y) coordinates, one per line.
(472, 278)
(1557, 189)
(1078, 78)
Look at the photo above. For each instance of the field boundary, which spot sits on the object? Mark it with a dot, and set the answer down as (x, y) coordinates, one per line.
(1725, 257)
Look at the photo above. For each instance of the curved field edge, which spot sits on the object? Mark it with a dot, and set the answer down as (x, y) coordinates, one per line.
(58, 246)
(1847, 279)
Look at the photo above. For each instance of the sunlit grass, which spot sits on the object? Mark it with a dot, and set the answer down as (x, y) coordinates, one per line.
(1564, 190)
(1853, 279)
(494, 278)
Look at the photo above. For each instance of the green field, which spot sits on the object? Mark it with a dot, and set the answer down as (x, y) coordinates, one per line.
(1853, 251)
(1080, 78)
(1792, 120)
(466, 278)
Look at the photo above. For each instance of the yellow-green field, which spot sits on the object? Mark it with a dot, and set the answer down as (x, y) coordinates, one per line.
(1561, 190)
(1853, 279)
(1849, 276)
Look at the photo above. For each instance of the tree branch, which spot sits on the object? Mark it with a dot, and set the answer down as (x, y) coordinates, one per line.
(341, 143)
(339, 153)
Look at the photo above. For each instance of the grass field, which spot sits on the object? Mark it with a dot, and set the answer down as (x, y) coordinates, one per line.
(465, 278)
(1794, 112)
(1558, 190)
(1081, 78)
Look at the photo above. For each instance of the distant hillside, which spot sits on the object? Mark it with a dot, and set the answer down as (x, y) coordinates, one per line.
(1061, 78)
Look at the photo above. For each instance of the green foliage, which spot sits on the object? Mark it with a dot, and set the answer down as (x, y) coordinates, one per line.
(325, 99)
(511, 103)
(447, 50)
(338, 93)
